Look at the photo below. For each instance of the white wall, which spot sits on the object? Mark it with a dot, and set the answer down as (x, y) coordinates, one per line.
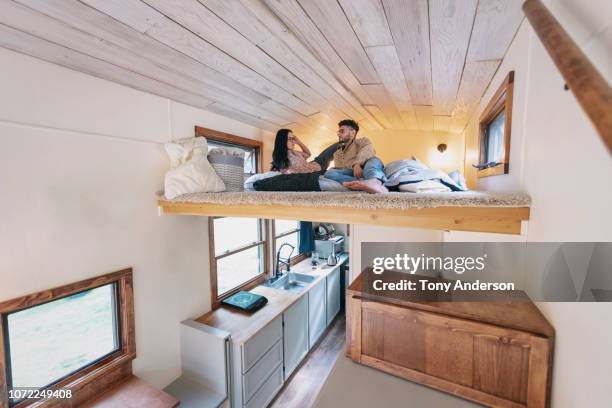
(361, 233)
(558, 158)
(80, 162)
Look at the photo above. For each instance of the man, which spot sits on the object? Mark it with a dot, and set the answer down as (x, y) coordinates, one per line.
(355, 163)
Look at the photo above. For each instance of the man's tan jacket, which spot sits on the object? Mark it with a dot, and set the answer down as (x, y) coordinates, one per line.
(357, 151)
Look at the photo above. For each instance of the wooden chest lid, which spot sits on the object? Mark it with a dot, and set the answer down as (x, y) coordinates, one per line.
(511, 309)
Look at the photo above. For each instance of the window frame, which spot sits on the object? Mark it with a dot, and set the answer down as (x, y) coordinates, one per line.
(501, 101)
(216, 298)
(294, 259)
(95, 377)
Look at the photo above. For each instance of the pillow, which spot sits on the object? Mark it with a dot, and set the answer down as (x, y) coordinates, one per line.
(190, 170)
(248, 183)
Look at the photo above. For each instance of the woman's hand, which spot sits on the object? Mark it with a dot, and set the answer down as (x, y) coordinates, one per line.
(304, 148)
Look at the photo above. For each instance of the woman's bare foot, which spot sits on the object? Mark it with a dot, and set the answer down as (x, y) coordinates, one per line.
(372, 186)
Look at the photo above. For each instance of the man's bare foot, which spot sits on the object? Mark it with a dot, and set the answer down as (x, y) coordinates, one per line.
(370, 185)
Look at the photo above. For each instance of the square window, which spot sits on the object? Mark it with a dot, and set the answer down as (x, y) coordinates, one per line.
(51, 341)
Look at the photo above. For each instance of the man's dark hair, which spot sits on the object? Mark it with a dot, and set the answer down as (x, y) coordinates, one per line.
(350, 123)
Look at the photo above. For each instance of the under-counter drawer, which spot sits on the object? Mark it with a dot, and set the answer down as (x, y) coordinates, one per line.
(268, 390)
(259, 344)
(256, 376)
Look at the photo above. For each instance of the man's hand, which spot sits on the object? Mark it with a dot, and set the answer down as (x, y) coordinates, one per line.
(357, 170)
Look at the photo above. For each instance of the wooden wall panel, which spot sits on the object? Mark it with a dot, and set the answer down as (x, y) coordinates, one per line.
(198, 19)
(330, 19)
(292, 14)
(381, 98)
(173, 35)
(495, 25)
(476, 78)
(451, 25)
(409, 24)
(369, 21)
(387, 65)
(390, 64)
(502, 368)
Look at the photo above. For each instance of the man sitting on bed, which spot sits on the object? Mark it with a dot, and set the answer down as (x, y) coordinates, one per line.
(355, 163)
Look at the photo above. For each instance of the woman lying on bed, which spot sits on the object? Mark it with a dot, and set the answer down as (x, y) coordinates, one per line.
(287, 159)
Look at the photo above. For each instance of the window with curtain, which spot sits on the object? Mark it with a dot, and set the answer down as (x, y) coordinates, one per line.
(495, 128)
(287, 231)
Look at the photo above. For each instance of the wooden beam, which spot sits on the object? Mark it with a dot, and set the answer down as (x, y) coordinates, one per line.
(451, 24)
(506, 220)
(593, 92)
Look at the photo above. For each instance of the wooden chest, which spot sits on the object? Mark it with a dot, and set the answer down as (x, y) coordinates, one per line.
(495, 353)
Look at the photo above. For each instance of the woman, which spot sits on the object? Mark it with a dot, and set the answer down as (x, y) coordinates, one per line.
(288, 160)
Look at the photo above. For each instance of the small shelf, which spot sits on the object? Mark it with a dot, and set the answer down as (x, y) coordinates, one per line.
(194, 395)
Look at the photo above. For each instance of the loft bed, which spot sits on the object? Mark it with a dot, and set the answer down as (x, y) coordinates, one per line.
(458, 211)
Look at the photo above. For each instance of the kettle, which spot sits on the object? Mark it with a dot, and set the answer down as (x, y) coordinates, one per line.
(332, 259)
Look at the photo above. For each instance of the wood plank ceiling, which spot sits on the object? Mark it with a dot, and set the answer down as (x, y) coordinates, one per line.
(390, 64)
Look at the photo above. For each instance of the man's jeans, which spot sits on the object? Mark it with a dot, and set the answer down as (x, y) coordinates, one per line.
(373, 168)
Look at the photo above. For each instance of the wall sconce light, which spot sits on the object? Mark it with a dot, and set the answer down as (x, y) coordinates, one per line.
(442, 147)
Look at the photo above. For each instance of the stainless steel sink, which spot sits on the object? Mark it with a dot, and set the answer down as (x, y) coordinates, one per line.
(292, 282)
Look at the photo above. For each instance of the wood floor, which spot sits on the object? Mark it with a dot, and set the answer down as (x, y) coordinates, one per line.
(304, 385)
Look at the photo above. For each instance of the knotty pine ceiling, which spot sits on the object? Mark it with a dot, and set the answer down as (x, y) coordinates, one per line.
(390, 64)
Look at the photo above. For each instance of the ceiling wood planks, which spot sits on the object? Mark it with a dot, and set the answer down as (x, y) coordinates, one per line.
(390, 64)
(451, 24)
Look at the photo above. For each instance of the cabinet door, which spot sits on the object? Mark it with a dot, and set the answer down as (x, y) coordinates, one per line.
(295, 334)
(317, 314)
(333, 295)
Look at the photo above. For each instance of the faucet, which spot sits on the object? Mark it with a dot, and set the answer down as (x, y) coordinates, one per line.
(286, 262)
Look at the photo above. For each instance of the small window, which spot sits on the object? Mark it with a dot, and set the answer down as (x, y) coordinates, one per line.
(239, 246)
(495, 127)
(250, 155)
(48, 342)
(70, 340)
(287, 231)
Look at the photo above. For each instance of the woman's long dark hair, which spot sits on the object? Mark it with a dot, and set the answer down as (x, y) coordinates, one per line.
(280, 155)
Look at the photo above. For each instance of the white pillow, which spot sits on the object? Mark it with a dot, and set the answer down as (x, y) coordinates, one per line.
(190, 170)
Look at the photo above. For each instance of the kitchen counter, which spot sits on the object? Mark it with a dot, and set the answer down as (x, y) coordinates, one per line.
(242, 326)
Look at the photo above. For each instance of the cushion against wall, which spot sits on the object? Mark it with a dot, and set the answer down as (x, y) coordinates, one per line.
(190, 170)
